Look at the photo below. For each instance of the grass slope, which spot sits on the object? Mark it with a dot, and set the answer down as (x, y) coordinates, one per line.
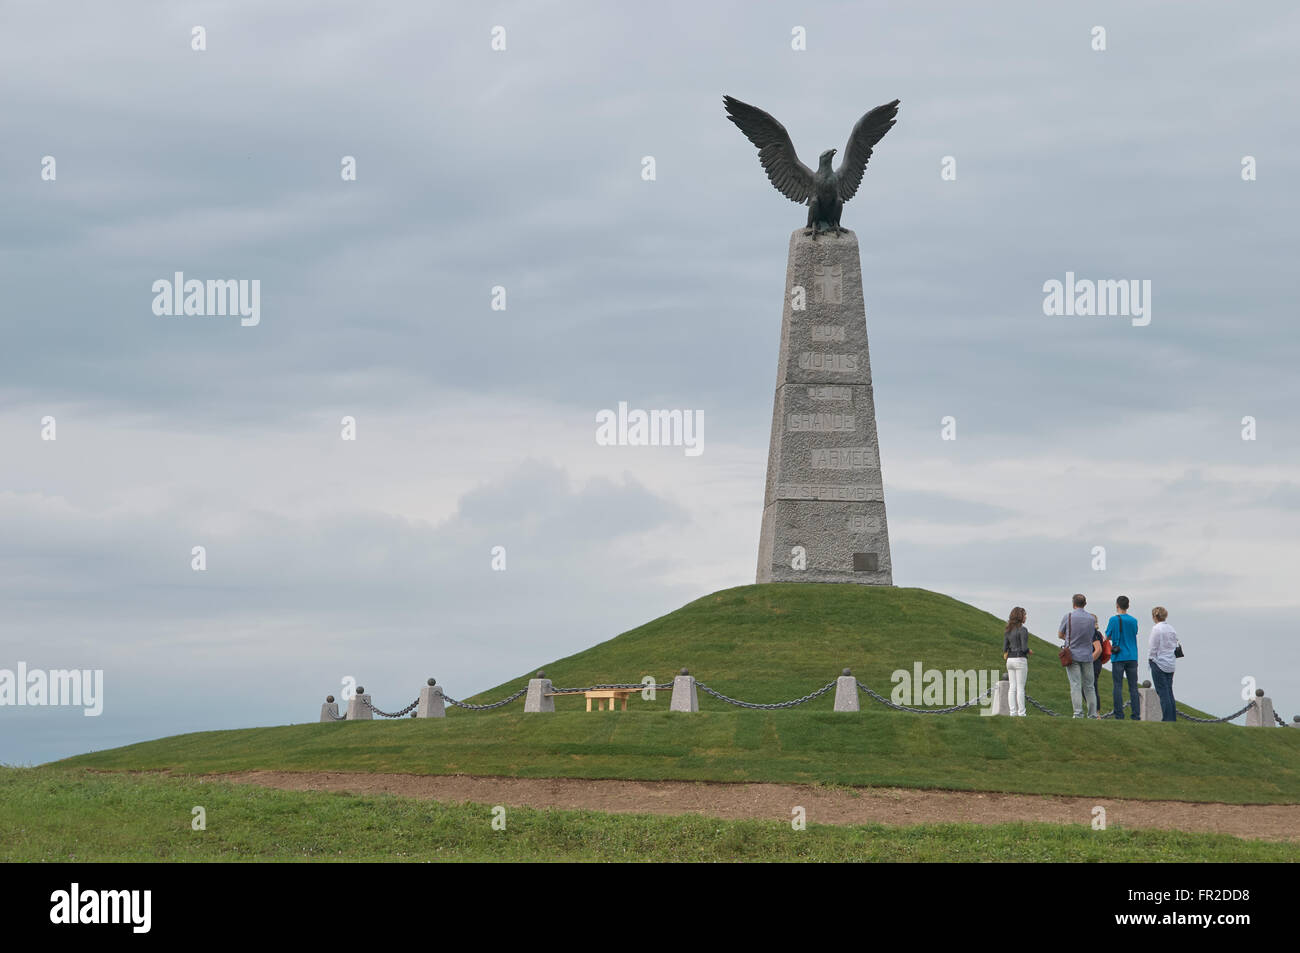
(780, 641)
(770, 643)
(874, 747)
(57, 815)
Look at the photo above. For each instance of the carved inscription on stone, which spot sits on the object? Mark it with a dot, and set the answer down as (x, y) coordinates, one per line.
(828, 284)
(854, 493)
(821, 361)
(830, 392)
(841, 458)
(828, 334)
(820, 423)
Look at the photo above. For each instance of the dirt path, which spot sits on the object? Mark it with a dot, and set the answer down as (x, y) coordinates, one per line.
(893, 806)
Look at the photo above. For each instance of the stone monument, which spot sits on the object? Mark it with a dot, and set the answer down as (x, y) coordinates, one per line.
(824, 508)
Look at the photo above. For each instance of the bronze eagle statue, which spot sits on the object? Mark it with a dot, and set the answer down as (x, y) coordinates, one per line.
(826, 190)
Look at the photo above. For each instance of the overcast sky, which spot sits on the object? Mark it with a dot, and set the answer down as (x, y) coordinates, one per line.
(522, 168)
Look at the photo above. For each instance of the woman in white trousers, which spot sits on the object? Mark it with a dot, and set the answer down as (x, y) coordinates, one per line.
(1016, 651)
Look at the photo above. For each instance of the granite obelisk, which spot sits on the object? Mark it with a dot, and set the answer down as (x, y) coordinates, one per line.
(824, 509)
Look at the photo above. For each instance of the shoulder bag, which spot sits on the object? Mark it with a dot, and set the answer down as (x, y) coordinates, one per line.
(1065, 656)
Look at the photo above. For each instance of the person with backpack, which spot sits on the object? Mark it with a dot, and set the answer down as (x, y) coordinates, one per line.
(1016, 651)
(1122, 630)
(1100, 656)
(1077, 654)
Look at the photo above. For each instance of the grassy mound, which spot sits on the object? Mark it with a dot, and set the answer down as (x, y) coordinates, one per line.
(779, 641)
(772, 643)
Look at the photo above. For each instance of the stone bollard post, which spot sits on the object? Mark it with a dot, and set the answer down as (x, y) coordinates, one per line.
(1001, 698)
(357, 711)
(1149, 702)
(685, 697)
(846, 692)
(431, 704)
(330, 710)
(1261, 716)
(538, 699)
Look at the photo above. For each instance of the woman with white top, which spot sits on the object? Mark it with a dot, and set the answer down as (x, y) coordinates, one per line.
(1160, 658)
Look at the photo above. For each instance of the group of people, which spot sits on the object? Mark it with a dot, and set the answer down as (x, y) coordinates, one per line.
(1081, 633)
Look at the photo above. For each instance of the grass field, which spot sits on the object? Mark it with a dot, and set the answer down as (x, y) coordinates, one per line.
(51, 814)
(758, 643)
(873, 747)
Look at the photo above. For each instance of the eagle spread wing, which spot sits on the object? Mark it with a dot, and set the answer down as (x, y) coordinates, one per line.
(776, 152)
(869, 130)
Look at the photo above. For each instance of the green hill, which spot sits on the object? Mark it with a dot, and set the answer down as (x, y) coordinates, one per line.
(766, 644)
(770, 643)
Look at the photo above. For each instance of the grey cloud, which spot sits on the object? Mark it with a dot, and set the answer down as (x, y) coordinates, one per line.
(1030, 563)
(522, 169)
(294, 602)
(928, 507)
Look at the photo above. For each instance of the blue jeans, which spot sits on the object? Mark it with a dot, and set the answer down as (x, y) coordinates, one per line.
(1118, 672)
(1163, 682)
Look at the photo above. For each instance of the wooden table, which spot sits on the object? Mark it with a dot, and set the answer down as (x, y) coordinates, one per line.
(605, 697)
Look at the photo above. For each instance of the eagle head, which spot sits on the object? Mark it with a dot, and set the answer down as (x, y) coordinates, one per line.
(826, 157)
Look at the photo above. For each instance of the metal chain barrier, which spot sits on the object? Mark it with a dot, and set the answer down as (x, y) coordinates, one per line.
(666, 686)
(505, 701)
(924, 711)
(1043, 708)
(1181, 714)
(790, 704)
(1212, 721)
(1114, 711)
(391, 714)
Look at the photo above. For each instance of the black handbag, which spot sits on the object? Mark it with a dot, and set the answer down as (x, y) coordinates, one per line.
(1178, 651)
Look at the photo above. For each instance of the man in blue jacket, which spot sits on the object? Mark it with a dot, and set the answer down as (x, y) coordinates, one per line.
(1122, 630)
